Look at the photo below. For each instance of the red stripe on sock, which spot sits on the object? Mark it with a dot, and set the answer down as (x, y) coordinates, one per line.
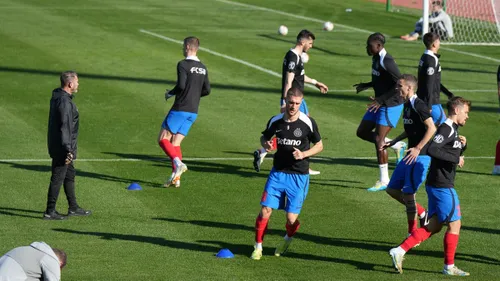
(292, 229)
(450, 247)
(420, 209)
(260, 228)
(416, 237)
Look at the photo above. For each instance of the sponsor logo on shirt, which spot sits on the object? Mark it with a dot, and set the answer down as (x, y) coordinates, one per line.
(198, 70)
(438, 138)
(286, 141)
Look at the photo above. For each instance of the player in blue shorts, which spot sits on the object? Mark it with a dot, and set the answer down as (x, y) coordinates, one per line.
(288, 182)
(411, 172)
(385, 110)
(192, 84)
(429, 78)
(293, 75)
(446, 151)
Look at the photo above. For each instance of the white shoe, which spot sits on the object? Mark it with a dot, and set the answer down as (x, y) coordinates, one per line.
(313, 172)
(169, 182)
(258, 158)
(455, 271)
(397, 259)
(179, 170)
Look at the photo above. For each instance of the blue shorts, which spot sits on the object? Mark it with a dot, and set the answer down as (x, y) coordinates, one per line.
(444, 203)
(285, 191)
(408, 178)
(303, 106)
(385, 116)
(179, 122)
(438, 115)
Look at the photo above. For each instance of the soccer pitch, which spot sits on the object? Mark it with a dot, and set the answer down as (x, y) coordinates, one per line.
(126, 54)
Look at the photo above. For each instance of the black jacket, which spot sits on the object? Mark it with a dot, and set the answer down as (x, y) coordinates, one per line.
(63, 125)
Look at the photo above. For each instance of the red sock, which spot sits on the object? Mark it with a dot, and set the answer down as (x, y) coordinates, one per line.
(412, 225)
(450, 247)
(292, 229)
(417, 236)
(420, 210)
(168, 148)
(260, 228)
(497, 155)
(275, 145)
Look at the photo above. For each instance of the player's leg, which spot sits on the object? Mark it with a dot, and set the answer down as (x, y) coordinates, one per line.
(451, 237)
(381, 132)
(169, 127)
(366, 127)
(260, 154)
(496, 168)
(272, 198)
(297, 187)
(185, 121)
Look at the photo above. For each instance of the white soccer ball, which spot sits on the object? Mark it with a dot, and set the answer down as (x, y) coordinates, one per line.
(304, 57)
(328, 26)
(283, 30)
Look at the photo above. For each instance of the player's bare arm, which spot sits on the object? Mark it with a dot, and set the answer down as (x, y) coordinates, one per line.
(322, 87)
(317, 148)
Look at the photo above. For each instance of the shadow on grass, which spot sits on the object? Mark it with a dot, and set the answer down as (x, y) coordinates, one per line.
(15, 212)
(481, 229)
(79, 173)
(339, 242)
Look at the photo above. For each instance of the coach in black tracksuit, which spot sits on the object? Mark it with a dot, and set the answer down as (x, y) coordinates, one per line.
(62, 143)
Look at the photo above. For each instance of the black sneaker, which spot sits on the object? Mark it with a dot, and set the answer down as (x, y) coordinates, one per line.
(424, 221)
(53, 215)
(79, 212)
(256, 160)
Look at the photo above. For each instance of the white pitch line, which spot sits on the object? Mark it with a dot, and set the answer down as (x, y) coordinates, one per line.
(291, 15)
(470, 54)
(254, 66)
(187, 159)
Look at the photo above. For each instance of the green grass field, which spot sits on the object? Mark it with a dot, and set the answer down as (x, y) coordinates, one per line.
(173, 234)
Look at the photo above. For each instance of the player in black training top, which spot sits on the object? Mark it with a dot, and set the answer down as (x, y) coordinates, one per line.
(444, 207)
(385, 110)
(411, 172)
(293, 75)
(429, 78)
(288, 182)
(192, 84)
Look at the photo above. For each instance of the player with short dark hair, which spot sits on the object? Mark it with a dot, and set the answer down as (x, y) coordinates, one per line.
(288, 182)
(385, 110)
(446, 151)
(293, 76)
(429, 78)
(411, 172)
(192, 84)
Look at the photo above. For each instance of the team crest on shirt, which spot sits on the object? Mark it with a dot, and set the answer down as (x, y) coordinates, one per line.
(438, 139)
(430, 71)
(297, 132)
(291, 65)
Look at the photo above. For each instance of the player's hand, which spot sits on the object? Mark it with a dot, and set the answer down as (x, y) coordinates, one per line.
(385, 146)
(268, 145)
(297, 154)
(322, 87)
(360, 87)
(69, 158)
(168, 95)
(463, 140)
(374, 106)
(412, 155)
(461, 162)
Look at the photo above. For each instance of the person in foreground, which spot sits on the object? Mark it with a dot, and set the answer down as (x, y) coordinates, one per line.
(288, 182)
(446, 151)
(411, 172)
(38, 261)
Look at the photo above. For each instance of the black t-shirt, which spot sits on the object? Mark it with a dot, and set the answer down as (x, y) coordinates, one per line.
(385, 76)
(414, 114)
(445, 150)
(298, 134)
(429, 78)
(192, 84)
(293, 63)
